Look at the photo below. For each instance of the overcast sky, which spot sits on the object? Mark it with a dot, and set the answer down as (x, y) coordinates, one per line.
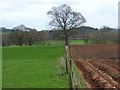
(32, 13)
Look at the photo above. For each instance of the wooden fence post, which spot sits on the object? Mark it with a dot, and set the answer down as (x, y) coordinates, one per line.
(69, 70)
(69, 66)
(66, 60)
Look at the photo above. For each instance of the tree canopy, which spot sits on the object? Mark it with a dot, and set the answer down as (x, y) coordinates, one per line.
(65, 19)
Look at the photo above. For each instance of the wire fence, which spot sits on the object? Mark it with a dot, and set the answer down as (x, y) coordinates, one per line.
(70, 70)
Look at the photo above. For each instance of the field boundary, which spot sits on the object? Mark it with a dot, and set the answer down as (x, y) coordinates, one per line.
(70, 69)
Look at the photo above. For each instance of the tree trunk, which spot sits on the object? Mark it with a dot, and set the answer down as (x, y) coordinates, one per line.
(30, 43)
(66, 36)
(66, 40)
(20, 44)
(86, 41)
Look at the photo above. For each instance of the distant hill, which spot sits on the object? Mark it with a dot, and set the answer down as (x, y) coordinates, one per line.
(79, 32)
(3, 29)
(87, 29)
(76, 33)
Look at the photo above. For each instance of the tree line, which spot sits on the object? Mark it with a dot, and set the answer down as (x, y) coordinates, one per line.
(22, 37)
(31, 36)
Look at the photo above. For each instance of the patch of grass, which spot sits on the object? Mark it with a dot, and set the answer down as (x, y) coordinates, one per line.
(51, 43)
(79, 79)
(79, 42)
(34, 52)
(32, 67)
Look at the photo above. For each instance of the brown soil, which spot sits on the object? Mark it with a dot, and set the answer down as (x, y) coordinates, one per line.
(99, 64)
(94, 51)
(106, 68)
(96, 78)
(111, 62)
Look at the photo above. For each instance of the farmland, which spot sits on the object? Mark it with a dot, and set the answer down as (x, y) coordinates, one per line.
(33, 67)
(99, 64)
(63, 53)
(41, 66)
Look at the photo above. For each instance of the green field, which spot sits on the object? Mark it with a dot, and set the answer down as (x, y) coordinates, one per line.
(76, 42)
(79, 42)
(37, 66)
(33, 67)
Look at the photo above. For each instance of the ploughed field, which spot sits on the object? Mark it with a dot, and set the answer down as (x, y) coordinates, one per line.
(98, 64)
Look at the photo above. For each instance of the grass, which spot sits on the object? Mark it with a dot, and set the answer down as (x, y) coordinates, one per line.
(32, 67)
(79, 42)
(37, 66)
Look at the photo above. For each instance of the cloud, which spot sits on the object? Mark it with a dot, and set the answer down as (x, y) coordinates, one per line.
(33, 12)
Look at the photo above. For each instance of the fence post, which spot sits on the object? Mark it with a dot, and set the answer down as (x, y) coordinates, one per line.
(69, 68)
(66, 60)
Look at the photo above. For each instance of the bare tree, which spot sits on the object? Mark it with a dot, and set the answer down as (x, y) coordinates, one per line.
(65, 19)
(30, 36)
(17, 36)
(39, 37)
(5, 40)
(86, 38)
(105, 35)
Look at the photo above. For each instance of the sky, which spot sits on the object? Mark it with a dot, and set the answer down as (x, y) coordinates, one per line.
(32, 13)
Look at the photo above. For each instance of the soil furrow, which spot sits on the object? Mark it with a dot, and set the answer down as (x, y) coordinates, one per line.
(94, 77)
(107, 69)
